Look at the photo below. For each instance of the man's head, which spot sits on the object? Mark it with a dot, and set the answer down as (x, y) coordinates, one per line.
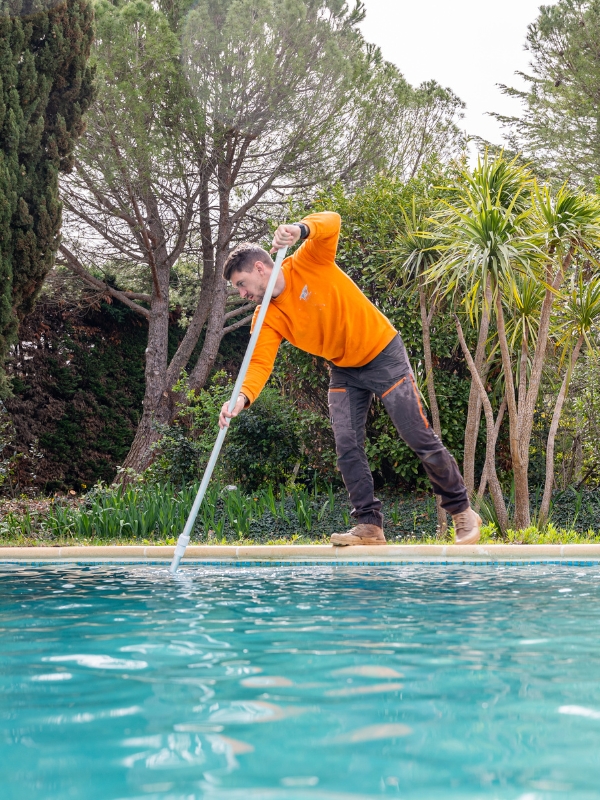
(248, 267)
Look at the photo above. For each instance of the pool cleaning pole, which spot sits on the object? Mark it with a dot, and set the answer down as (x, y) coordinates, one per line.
(184, 538)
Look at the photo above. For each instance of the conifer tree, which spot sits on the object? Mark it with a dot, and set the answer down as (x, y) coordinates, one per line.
(45, 88)
(559, 127)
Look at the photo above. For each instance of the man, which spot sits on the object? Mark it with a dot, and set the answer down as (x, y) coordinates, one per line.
(319, 309)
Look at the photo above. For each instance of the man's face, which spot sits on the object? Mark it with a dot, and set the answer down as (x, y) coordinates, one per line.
(252, 285)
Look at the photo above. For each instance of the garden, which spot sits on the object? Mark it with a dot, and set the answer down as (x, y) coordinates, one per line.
(140, 143)
(120, 341)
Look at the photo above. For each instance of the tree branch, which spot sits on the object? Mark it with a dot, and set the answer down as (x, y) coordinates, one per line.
(246, 321)
(237, 311)
(72, 262)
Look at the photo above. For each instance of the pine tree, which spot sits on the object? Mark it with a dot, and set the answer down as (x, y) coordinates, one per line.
(559, 127)
(45, 89)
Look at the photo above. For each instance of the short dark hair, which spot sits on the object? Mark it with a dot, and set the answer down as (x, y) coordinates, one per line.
(243, 257)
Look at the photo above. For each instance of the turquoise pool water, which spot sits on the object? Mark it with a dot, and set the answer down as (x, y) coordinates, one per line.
(324, 683)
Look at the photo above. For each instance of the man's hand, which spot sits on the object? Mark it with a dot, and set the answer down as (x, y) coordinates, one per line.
(285, 236)
(226, 415)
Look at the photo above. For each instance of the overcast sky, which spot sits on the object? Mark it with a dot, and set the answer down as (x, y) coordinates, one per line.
(467, 45)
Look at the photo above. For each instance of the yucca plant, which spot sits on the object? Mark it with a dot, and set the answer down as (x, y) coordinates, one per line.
(489, 242)
(578, 326)
(504, 234)
(568, 222)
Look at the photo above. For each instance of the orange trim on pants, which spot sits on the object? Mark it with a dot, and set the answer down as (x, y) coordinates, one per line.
(337, 390)
(391, 389)
(415, 390)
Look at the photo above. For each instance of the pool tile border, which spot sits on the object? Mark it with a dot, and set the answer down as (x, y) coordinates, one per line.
(309, 555)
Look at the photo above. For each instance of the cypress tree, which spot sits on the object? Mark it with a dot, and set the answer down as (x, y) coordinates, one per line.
(45, 89)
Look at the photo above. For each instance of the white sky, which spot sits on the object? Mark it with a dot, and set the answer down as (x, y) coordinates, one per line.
(466, 45)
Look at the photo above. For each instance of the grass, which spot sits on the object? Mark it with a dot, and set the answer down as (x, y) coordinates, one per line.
(156, 514)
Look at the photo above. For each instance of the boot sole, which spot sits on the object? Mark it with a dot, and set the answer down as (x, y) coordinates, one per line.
(469, 539)
(357, 541)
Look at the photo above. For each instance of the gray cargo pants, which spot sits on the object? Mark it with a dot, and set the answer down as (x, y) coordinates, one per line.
(351, 391)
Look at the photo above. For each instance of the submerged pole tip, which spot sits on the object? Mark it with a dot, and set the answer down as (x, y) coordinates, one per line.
(182, 543)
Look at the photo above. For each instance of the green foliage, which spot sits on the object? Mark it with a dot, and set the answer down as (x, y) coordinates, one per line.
(182, 452)
(8, 457)
(574, 508)
(264, 444)
(133, 512)
(578, 438)
(489, 233)
(45, 88)
(77, 388)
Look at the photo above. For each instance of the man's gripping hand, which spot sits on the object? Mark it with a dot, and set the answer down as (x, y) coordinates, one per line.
(226, 415)
(285, 236)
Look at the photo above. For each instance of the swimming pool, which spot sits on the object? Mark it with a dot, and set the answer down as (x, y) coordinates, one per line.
(324, 683)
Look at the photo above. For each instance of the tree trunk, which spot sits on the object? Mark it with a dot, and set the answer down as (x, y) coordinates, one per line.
(488, 474)
(147, 433)
(190, 340)
(474, 407)
(214, 331)
(156, 390)
(490, 451)
(522, 517)
(524, 419)
(212, 340)
(560, 400)
(433, 404)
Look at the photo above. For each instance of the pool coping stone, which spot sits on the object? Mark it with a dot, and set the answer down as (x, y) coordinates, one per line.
(249, 554)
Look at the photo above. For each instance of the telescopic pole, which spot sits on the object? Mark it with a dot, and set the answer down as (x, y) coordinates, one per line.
(184, 538)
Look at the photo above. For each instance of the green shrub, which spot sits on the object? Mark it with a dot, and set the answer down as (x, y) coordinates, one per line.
(182, 452)
(264, 445)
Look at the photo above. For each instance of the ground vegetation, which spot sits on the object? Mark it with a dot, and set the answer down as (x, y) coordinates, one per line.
(155, 514)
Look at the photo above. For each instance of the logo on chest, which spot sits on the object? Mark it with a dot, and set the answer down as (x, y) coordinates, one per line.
(304, 294)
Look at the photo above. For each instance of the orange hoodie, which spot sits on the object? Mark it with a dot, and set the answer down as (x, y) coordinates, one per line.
(321, 310)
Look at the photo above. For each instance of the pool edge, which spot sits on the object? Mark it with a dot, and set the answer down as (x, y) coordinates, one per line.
(248, 554)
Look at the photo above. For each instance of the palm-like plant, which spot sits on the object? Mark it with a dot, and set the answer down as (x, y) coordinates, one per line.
(522, 306)
(487, 234)
(580, 319)
(489, 243)
(501, 241)
(569, 222)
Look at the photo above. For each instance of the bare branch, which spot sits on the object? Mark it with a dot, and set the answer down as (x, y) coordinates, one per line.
(73, 263)
(246, 321)
(237, 311)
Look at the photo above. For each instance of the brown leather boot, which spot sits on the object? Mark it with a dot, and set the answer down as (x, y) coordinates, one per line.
(467, 527)
(359, 534)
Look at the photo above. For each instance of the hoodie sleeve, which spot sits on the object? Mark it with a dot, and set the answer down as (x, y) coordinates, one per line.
(263, 358)
(319, 249)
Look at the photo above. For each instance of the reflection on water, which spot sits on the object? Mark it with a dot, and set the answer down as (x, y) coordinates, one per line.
(371, 732)
(326, 683)
(369, 671)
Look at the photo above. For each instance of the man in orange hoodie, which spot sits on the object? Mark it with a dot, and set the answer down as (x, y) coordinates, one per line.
(318, 308)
